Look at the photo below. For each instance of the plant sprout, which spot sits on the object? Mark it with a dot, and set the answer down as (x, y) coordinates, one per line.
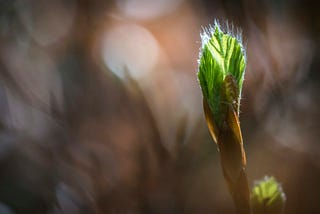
(221, 66)
(221, 71)
(267, 197)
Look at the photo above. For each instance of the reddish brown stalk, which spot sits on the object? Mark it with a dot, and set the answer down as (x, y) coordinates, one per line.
(228, 137)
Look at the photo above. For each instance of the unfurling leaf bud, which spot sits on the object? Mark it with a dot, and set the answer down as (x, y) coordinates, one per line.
(267, 197)
(222, 63)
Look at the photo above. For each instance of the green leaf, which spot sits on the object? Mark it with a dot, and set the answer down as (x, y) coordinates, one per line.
(222, 54)
(267, 197)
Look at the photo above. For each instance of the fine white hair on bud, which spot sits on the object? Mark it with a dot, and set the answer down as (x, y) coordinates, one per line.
(227, 28)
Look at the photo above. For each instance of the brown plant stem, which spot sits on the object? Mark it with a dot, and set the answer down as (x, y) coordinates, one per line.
(228, 137)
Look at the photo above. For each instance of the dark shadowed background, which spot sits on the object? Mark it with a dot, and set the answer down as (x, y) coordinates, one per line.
(101, 111)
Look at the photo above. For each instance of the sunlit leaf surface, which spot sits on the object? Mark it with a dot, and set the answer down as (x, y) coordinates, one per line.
(222, 54)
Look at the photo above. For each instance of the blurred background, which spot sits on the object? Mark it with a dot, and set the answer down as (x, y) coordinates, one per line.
(101, 111)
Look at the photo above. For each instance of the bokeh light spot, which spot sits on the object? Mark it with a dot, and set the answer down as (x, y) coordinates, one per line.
(129, 48)
(147, 9)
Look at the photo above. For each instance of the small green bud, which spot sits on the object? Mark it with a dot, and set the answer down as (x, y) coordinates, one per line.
(222, 55)
(267, 197)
